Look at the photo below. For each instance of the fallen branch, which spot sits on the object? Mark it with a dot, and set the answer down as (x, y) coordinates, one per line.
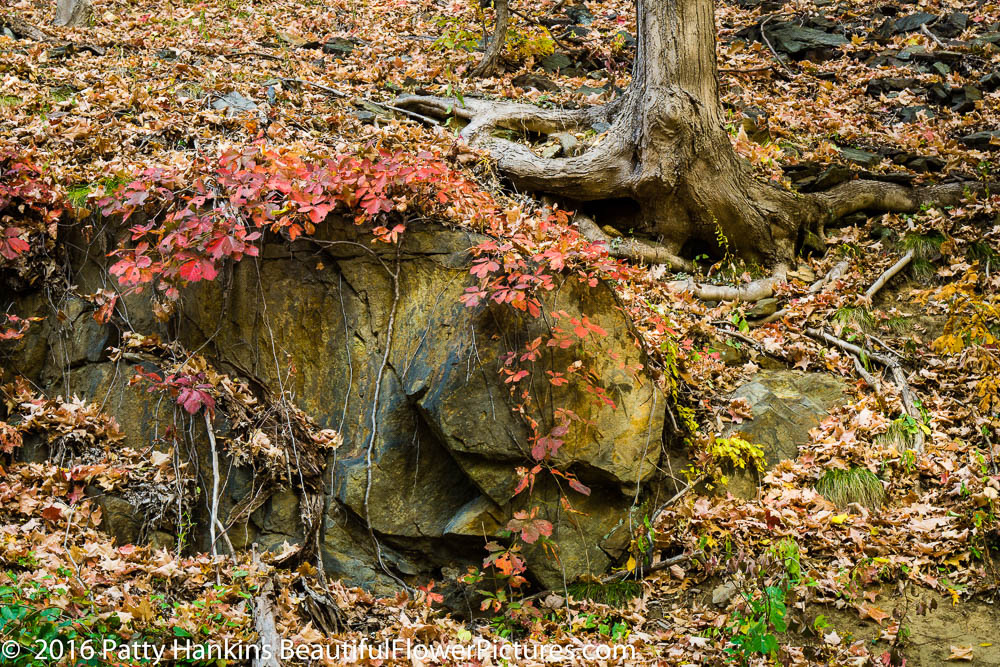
(891, 365)
(774, 53)
(267, 632)
(923, 29)
(889, 273)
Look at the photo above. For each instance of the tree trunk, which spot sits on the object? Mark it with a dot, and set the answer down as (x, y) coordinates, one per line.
(72, 13)
(488, 65)
(680, 165)
(667, 150)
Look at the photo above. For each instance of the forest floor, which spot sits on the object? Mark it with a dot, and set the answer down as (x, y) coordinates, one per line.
(831, 88)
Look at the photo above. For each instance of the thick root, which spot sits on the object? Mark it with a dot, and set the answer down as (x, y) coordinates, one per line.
(632, 249)
(485, 115)
(755, 291)
(878, 196)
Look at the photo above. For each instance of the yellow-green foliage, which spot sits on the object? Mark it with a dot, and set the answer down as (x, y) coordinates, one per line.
(855, 485)
(532, 41)
(737, 451)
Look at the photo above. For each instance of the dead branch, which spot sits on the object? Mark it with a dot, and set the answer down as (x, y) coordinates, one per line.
(673, 499)
(887, 276)
(23, 29)
(890, 364)
(267, 632)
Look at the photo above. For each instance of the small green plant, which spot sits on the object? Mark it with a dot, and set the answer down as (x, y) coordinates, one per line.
(764, 584)
(454, 35)
(901, 434)
(737, 452)
(753, 628)
(854, 485)
(44, 633)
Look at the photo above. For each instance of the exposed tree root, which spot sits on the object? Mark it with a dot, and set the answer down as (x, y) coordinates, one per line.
(755, 291)
(832, 275)
(631, 249)
(882, 197)
(771, 218)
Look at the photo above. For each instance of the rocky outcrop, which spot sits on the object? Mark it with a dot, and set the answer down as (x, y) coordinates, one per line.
(312, 319)
(785, 406)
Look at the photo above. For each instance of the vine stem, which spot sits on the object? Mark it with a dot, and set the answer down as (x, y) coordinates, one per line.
(374, 422)
(215, 482)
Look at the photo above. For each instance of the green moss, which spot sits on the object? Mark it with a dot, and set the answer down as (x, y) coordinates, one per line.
(855, 485)
(9, 100)
(615, 593)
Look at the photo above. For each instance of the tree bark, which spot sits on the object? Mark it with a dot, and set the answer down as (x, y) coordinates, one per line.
(488, 65)
(72, 13)
(667, 150)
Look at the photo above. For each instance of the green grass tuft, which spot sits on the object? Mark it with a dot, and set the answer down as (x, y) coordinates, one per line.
(77, 195)
(855, 317)
(615, 593)
(924, 246)
(983, 252)
(901, 434)
(855, 485)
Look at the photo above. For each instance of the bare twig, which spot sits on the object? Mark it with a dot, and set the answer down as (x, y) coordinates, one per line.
(673, 499)
(923, 29)
(763, 36)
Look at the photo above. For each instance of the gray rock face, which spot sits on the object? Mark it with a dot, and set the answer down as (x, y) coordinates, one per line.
(785, 406)
(446, 442)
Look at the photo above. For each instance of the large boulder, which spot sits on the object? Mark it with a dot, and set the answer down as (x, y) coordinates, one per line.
(431, 437)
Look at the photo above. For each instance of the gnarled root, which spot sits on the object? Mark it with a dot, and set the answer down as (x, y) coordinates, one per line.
(755, 291)
(632, 249)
